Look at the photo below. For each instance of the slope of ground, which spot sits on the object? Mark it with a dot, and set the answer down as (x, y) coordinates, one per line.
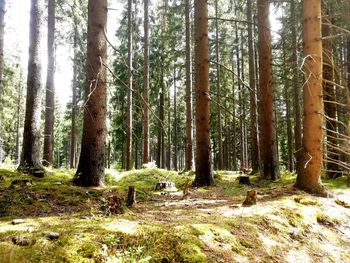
(207, 225)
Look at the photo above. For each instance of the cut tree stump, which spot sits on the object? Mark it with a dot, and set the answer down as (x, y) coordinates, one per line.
(115, 205)
(131, 199)
(244, 179)
(252, 196)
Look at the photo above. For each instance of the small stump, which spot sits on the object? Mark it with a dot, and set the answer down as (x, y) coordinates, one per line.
(251, 198)
(166, 185)
(53, 236)
(115, 205)
(244, 179)
(22, 241)
(131, 199)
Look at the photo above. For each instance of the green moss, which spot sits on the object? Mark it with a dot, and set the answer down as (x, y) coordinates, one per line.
(295, 218)
(338, 183)
(306, 201)
(326, 220)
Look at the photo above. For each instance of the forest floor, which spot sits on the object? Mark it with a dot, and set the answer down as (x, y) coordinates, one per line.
(64, 223)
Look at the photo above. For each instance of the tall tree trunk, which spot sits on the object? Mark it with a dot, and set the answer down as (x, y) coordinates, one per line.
(18, 118)
(204, 172)
(309, 175)
(297, 88)
(269, 169)
(176, 148)
(189, 121)
(168, 158)
(288, 112)
(50, 86)
(2, 34)
(90, 170)
(329, 105)
(130, 87)
(234, 137)
(146, 139)
(73, 138)
(253, 90)
(30, 157)
(218, 89)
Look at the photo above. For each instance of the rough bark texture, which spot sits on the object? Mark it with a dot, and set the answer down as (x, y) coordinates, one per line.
(50, 86)
(330, 108)
(204, 173)
(234, 137)
(253, 98)
(2, 33)
(309, 175)
(189, 119)
(30, 157)
(269, 157)
(176, 147)
(297, 88)
(90, 170)
(146, 146)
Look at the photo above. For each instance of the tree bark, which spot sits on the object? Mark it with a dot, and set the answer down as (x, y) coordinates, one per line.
(146, 136)
(130, 87)
(30, 157)
(90, 170)
(50, 86)
(269, 157)
(309, 176)
(176, 147)
(234, 136)
(204, 173)
(253, 90)
(189, 106)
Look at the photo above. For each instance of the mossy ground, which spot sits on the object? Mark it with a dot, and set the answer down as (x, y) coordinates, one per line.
(209, 225)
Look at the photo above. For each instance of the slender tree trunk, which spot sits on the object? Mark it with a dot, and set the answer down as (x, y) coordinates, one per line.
(288, 113)
(253, 90)
(18, 119)
(30, 157)
(50, 86)
(168, 159)
(309, 175)
(90, 170)
(218, 89)
(234, 137)
(269, 169)
(146, 139)
(176, 148)
(73, 138)
(297, 87)
(2, 34)
(130, 87)
(189, 121)
(204, 172)
(329, 106)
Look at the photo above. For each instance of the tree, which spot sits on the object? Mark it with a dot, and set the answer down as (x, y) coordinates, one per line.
(90, 170)
(146, 135)
(204, 173)
(30, 158)
(50, 87)
(189, 121)
(253, 90)
(268, 149)
(130, 87)
(309, 175)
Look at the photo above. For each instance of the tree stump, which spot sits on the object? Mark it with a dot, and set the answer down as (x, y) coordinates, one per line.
(252, 196)
(115, 205)
(244, 179)
(131, 199)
